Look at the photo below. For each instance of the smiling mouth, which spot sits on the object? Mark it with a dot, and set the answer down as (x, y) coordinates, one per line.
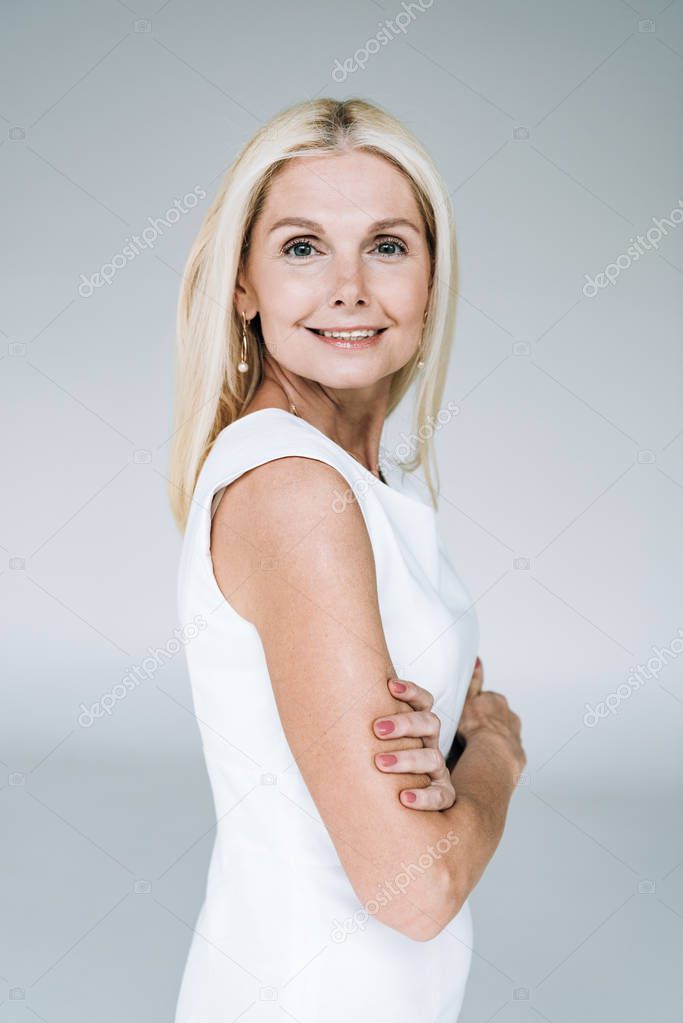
(359, 334)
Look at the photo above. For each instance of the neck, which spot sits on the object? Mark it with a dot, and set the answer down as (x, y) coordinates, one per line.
(352, 423)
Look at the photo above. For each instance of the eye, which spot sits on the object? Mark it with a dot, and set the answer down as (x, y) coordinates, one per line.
(393, 241)
(298, 243)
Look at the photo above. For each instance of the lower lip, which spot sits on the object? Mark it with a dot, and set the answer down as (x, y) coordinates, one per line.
(337, 342)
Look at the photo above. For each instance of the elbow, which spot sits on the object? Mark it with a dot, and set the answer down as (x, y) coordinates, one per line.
(426, 912)
(447, 902)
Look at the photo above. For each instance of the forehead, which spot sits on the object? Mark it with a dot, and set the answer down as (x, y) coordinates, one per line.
(356, 186)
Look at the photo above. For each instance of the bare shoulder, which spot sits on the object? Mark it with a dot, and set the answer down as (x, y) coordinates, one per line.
(297, 513)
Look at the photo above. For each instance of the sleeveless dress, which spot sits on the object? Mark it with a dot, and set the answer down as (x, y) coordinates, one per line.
(280, 927)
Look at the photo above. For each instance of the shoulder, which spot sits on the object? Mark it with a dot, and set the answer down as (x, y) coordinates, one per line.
(289, 525)
(273, 468)
(280, 501)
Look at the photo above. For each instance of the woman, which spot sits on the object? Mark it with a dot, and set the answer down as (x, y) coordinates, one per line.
(319, 289)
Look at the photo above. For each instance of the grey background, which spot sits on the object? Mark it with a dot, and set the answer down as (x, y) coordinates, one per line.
(557, 129)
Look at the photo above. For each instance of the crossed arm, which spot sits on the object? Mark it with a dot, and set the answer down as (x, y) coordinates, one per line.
(301, 569)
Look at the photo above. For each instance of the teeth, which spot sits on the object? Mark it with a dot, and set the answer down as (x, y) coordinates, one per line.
(348, 335)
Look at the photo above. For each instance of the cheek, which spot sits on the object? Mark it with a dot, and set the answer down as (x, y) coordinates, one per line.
(297, 292)
(405, 291)
(403, 347)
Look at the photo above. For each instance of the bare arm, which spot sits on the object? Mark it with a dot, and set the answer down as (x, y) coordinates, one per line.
(306, 580)
(484, 779)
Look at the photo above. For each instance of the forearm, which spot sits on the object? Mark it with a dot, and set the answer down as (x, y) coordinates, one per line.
(484, 778)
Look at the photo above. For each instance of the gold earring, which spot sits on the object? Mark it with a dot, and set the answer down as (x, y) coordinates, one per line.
(420, 361)
(243, 365)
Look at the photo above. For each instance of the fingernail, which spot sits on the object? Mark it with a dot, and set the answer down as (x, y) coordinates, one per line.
(385, 727)
(410, 796)
(387, 759)
(398, 686)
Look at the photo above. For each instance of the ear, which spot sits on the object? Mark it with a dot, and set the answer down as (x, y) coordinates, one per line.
(244, 297)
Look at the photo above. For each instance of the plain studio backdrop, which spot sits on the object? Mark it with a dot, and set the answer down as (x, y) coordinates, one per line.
(557, 127)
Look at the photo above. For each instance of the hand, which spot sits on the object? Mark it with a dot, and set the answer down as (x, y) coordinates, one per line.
(423, 723)
(489, 712)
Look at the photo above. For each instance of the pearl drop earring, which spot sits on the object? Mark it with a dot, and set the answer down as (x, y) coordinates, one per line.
(420, 361)
(243, 365)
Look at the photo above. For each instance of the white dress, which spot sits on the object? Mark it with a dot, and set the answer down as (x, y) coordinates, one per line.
(281, 927)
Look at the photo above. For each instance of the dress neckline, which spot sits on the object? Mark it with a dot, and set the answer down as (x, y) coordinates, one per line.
(380, 483)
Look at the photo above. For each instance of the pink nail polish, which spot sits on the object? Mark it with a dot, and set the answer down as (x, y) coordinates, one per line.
(398, 686)
(387, 759)
(410, 796)
(384, 727)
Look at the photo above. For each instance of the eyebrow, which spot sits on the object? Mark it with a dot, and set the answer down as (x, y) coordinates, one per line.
(311, 225)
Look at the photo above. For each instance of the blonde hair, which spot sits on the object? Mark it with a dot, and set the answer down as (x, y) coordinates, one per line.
(210, 392)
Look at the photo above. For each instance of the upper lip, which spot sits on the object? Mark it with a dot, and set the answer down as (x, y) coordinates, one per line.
(360, 326)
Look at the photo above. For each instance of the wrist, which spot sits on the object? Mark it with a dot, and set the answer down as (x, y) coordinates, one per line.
(494, 746)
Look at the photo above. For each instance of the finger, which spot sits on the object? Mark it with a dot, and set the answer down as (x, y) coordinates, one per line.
(416, 696)
(434, 797)
(413, 761)
(420, 723)
(477, 680)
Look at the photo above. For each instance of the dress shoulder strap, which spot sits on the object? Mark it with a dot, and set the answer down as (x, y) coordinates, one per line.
(265, 435)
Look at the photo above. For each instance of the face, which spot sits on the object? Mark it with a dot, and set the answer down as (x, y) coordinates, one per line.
(343, 270)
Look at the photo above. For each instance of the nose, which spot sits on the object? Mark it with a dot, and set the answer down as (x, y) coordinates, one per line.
(349, 288)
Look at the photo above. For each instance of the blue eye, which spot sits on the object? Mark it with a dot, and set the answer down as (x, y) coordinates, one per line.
(393, 241)
(298, 243)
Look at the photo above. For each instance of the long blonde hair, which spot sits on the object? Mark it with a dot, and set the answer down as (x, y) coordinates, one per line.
(210, 392)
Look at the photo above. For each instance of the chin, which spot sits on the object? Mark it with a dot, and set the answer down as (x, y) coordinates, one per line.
(341, 377)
